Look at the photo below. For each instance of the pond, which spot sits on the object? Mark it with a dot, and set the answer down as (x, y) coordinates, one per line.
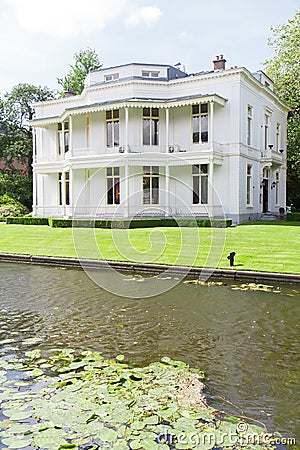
(246, 342)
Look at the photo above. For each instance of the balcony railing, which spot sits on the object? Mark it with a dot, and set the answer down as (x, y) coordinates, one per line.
(272, 156)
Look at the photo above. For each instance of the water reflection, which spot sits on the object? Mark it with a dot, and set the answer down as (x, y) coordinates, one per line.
(247, 342)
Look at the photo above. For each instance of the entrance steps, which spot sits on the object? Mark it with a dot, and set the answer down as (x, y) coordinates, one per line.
(269, 216)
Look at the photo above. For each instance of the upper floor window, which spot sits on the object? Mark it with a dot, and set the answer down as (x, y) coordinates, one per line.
(200, 183)
(150, 126)
(63, 137)
(249, 125)
(151, 185)
(113, 185)
(200, 123)
(150, 74)
(112, 128)
(111, 77)
(278, 137)
(266, 131)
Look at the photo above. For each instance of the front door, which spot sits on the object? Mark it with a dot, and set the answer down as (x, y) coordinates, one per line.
(265, 195)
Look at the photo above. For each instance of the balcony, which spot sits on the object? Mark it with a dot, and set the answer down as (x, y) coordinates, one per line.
(272, 157)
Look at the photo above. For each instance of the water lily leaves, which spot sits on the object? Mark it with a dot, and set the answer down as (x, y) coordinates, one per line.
(17, 415)
(16, 443)
(107, 435)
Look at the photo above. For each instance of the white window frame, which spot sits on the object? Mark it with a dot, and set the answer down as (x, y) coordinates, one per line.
(278, 137)
(151, 172)
(112, 132)
(63, 137)
(199, 180)
(111, 77)
(113, 178)
(153, 127)
(203, 111)
(249, 124)
(249, 185)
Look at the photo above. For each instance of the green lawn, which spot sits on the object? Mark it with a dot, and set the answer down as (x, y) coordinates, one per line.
(271, 247)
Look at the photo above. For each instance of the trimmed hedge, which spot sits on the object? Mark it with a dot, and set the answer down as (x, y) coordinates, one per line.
(294, 216)
(27, 220)
(139, 223)
(121, 224)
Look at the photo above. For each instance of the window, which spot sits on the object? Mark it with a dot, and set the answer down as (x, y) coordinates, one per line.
(249, 125)
(112, 128)
(266, 131)
(200, 183)
(64, 197)
(111, 77)
(277, 188)
(151, 185)
(149, 74)
(278, 138)
(63, 137)
(113, 185)
(249, 184)
(60, 197)
(200, 123)
(150, 126)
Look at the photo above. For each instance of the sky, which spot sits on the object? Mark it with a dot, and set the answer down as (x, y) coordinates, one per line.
(38, 38)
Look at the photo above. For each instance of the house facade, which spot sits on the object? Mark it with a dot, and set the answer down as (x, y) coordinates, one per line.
(152, 140)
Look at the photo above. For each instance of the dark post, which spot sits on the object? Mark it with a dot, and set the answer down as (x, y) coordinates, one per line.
(231, 258)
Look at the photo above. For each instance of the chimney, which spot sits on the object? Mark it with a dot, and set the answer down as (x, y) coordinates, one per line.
(69, 92)
(219, 63)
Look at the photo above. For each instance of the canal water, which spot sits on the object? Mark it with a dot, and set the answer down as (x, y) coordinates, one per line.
(247, 342)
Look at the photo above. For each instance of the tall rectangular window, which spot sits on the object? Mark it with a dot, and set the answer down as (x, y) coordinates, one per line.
(63, 137)
(266, 131)
(200, 183)
(60, 196)
(278, 138)
(277, 188)
(67, 188)
(112, 128)
(200, 123)
(249, 185)
(151, 185)
(249, 125)
(150, 126)
(113, 185)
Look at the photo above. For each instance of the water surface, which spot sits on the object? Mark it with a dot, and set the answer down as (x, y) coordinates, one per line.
(246, 342)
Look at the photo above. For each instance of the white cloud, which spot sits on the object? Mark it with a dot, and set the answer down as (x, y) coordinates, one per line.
(66, 18)
(146, 15)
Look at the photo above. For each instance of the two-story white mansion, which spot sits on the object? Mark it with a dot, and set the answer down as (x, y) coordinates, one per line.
(144, 140)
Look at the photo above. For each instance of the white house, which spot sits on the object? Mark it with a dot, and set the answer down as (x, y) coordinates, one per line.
(152, 140)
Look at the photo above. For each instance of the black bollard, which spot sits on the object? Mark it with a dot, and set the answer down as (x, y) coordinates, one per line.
(231, 258)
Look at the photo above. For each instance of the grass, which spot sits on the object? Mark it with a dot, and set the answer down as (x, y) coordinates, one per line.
(268, 247)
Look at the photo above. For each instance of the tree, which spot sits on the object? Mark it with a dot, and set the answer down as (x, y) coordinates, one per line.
(284, 69)
(16, 111)
(85, 61)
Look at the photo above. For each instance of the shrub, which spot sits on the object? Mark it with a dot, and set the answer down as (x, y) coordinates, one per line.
(294, 216)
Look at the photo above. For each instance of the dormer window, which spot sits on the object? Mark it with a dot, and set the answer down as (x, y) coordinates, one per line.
(150, 74)
(111, 77)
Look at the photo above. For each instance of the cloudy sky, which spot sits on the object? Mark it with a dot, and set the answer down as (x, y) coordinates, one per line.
(38, 38)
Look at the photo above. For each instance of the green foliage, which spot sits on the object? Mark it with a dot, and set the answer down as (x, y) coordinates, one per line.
(284, 69)
(85, 61)
(88, 402)
(17, 186)
(293, 217)
(11, 207)
(27, 220)
(140, 223)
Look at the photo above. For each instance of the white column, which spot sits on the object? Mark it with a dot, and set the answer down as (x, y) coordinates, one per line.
(167, 130)
(34, 187)
(167, 188)
(126, 130)
(126, 180)
(71, 191)
(211, 125)
(71, 136)
(34, 199)
(211, 187)
(63, 192)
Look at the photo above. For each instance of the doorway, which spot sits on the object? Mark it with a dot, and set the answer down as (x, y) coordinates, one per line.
(265, 195)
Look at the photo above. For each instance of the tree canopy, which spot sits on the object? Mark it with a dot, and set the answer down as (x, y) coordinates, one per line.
(85, 61)
(284, 69)
(16, 111)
